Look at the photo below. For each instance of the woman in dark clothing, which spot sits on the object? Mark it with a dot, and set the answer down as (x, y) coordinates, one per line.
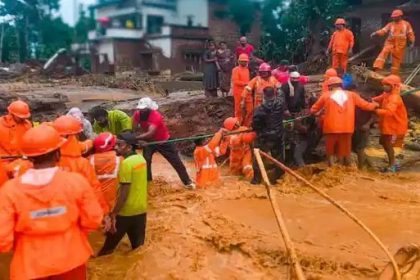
(211, 67)
(226, 62)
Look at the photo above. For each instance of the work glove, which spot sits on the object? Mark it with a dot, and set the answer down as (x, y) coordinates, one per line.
(372, 35)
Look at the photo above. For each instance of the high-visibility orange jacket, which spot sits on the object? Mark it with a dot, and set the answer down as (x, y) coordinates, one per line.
(341, 41)
(393, 119)
(240, 158)
(339, 108)
(253, 95)
(240, 78)
(207, 172)
(398, 35)
(107, 165)
(72, 160)
(46, 224)
(11, 135)
(18, 167)
(398, 32)
(3, 175)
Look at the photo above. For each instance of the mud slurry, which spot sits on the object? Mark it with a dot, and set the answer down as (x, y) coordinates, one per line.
(229, 232)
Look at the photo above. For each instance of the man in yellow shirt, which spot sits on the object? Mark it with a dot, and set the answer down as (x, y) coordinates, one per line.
(129, 214)
(114, 121)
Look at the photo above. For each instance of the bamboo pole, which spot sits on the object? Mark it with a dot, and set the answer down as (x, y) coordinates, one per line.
(341, 208)
(280, 222)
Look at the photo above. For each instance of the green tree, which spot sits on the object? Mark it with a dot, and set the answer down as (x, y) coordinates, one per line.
(35, 29)
(84, 25)
(294, 29)
(242, 13)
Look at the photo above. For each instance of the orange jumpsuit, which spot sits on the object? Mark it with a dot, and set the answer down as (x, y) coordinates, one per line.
(205, 162)
(341, 42)
(253, 95)
(10, 136)
(240, 159)
(392, 114)
(46, 224)
(72, 160)
(339, 118)
(398, 34)
(107, 165)
(240, 78)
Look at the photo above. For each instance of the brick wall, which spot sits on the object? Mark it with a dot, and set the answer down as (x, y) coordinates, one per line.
(224, 29)
(127, 56)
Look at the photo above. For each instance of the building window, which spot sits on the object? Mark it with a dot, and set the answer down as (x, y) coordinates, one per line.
(154, 24)
(133, 21)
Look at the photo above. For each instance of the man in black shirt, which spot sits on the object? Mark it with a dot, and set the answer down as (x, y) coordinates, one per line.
(268, 124)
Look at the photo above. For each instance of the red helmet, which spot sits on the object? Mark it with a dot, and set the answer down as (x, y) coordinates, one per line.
(104, 142)
(230, 123)
(397, 13)
(19, 109)
(264, 67)
(335, 81)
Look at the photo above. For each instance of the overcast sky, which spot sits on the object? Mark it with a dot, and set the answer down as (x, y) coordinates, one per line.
(68, 9)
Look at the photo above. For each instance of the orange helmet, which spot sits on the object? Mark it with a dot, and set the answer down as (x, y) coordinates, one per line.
(331, 72)
(334, 81)
(340, 21)
(243, 57)
(41, 140)
(397, 13)
(104, 142)
(230, 123)
(19, 109)
(392, 80)
(67, 125)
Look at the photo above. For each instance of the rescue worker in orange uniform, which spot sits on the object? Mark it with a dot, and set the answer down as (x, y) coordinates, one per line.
(341, 45)
(252, 96)
(240, 79)
(338, 127)
(45, 214)
(207, 171)
(240, 158)
(107, 165)
(71, 157)
(399, 34)
(393, 120)
(12, 128)
(331, 72)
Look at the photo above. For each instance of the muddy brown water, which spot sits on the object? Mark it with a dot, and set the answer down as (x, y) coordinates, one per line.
(229, 231)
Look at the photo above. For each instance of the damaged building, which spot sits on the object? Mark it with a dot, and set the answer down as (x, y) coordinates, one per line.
(160, 35)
